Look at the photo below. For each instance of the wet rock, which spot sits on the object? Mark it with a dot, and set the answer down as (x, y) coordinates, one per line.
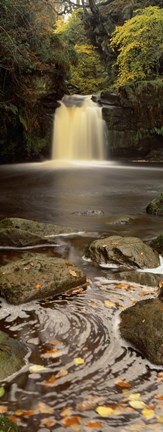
(38, 276)
(129, 251)
(148, 279)
(12, 355)
(19, 232)
(142, 326)
(155, 207)
(157, 244)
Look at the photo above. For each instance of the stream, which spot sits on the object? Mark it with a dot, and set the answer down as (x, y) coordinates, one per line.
(77, 361)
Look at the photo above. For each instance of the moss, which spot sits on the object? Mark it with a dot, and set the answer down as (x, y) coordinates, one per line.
(6, 425)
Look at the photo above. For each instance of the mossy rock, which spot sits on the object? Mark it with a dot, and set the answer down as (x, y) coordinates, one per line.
(155, 207)
(12, 355)
(6, 425)
(157, 244)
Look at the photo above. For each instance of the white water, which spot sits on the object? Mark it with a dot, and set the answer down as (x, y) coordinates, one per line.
(79, 130)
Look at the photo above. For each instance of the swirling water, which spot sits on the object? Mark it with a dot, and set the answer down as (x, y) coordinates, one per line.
(77, 360)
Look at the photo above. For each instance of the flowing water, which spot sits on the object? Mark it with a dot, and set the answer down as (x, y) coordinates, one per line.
(79, 130)
(64, 396)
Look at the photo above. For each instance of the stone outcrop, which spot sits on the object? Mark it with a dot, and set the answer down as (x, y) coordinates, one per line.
(131, 252)
(12, 356)
(142, 326)
(155, 207)
(142, 278)
(37, 276)
(134, 118)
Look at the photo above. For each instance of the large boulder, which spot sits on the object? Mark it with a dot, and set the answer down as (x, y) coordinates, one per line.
(130, 252)
(157, 244)
(19, 232)
(38, 276)
(155, 207)
(12, 356)
(142, 326)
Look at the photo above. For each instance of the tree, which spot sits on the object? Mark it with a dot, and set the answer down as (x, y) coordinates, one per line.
(139, 46)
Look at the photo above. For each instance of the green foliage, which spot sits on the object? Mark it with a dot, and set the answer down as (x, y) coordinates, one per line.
(87, 73)
(139, 46)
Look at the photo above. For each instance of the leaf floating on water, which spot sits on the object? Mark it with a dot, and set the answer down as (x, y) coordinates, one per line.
(43, 408)
(134, 396)
(70, 421)
(159, 397)
(160, 377)
(89, 403)
(123, 384)
(93, 304)
(36, 368)
(62, 373)
(50, 381)
(2, 391)
(137, 404)
(54, 353)
(94, 424)
(48, 422)
(160, 418)
(148, 413)
(109, 303)
(25, 413)
(104, 411)
(79, 361)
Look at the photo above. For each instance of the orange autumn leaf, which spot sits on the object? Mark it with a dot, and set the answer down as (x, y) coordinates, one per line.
(3, 409)
(43, 408)
(123, 384)
(37, 286)
(50, 381)
(72, 273)
(94, 424)
(51, 351)
(159, 397)
(23, 413)
(61, 373)
(48, 422)
(70, 421)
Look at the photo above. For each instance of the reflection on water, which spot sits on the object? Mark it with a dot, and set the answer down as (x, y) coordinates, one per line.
(83, 324)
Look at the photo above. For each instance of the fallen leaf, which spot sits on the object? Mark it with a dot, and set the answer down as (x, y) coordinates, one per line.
(70, 421)
(54, 352)
(123, 384)
(25, 413)
(79, 361)
(89, 403)
(94, 424)
(36, 368)
(109, 303)
(61, 373)
(3, 409)
(43, 408)
(48, 422)
(37, 286)
(137, 404)
(66, 412)
(159, 397)
(72, 273)
(134, 396)
(104, 411)
(160, 377)
(148, 413)
(161, 284)
(55, 342)
(50, 381)
(160, 418)
(93, 304)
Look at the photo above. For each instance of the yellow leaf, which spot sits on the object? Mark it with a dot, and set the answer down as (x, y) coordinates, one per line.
(160, 418)
(79, 361)
(36, 368)
(104, 411)
(109, 303)
(134, 396)
(137, 404)
(148, 413)
(43, 408)
(72, 273)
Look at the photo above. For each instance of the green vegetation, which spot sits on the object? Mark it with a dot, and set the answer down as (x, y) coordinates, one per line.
(139, 45)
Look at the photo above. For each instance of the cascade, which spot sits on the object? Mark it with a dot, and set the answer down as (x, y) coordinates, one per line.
(79, 130)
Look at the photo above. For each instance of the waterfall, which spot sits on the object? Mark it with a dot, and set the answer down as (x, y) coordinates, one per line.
(79, 130)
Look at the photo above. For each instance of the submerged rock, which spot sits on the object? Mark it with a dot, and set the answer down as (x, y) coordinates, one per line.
(129, 251)
(155, 207)
(19, 232)
(12, 356)
(38, 276)
(142, 326)
(142, 278)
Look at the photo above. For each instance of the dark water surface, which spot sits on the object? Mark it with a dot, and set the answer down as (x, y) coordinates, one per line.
(84, 324)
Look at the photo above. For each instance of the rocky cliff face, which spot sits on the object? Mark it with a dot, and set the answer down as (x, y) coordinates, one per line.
(134, 118)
